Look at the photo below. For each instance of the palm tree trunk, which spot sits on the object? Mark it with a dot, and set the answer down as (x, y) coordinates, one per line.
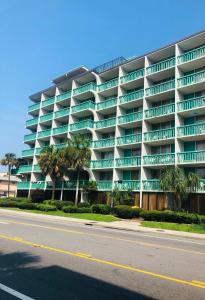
(77, 188)
(53, 190)
(62, 188)
(9, 179)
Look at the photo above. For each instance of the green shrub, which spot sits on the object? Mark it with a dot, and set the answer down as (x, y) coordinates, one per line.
(103, 209)
(26, 205)
(123, 211)
(59, 204)
(70, 209)
(8, 203)
(136, 212)
(83, 204)
(83, 210)
(18, 199)
(45, 207)
(37, 196)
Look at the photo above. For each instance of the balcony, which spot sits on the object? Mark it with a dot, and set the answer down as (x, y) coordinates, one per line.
(131, 96)
(47, 117)
(83, 106)
(31, 122)
(33, 107)
(132, 76)
(159, 159)
(85, 124)
(161, 134)
(129, 118)
(63, 96)
(160, 111)
(103, 143)
(105, 123)
(37, 169)
(28, 152)
(61, 129)
(126, 185)
(161, 66)
(60, 146)
(102, 163)
(108, 85)
(30, 137)
(104, 185)
(44, 133)
(106, 104)
(151, 185)
(23, 185)
(49, 101)
(89, 87)
(24, 169)
(129, 139)
(194, 129)
(62, 113)
(128, 161)
(191, 157)
(191, 103)
(38, 185)
(160, 88)
(191, 55)
(191, 79)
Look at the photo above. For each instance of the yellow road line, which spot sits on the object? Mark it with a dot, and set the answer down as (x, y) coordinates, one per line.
(198, 282)
(109, 237)
(105, 262)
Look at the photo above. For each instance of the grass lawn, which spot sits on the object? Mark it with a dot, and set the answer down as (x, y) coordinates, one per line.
(194, 228)
(59, 213)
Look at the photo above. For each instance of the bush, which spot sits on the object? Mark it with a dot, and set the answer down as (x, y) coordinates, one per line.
(45, 207)
(59, 204)
(26, 205)
(103, 209)
(171, 216)
(84, 204)
(18, 199)
(8, 203)
(70, 209)
(37, 196)
(83, 210)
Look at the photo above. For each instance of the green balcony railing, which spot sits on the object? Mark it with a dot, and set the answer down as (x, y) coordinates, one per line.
(62, 113)
(38, 185)
(48, 101)
(192, 156)
(160, 66)
(191, 55)
(47, 117)
(191, 103)
(129, 139)
(39, 149)
(132, 76)
(24, 169)
(136, 116)
(82, 106)
(160, 88)
(33, 107)
(125, 185)
(30, 137)
(85, 88)
(107, 85)
(193, 129)
(44, 133)
(32, 122)
(85, 124)
(191, 79)
(137, 95)
(104, 185)
(160, 111)
(110, 142)
(161, 134)
(106, 104)
(105, 123)
(23, 185)
(63, 96)
(61, 129)
(102, 163)
(27, 152)
(60, 146)
(151, 185)
(36, 168)
(159, 159)
(128, 161)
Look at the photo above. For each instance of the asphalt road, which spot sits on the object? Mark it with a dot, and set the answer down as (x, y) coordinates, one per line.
(58, 260)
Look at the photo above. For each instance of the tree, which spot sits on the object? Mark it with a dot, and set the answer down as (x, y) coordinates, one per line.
(51, 162)
(77, 156)
(10, 160)
(174, 180)
(89, 187)
(120, 196)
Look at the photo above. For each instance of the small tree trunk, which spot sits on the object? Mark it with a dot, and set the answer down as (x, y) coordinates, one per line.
(53, 190)
(77, 188)
(62, 188)
(9, 180)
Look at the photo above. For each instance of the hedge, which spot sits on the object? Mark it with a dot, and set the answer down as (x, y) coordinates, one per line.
(101, 209)
(46, 207)
(59, 204)
(75, 209)
(126, 212)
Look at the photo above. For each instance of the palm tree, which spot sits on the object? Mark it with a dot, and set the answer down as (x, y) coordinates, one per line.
(118, 196)
(51, 162)
(174, 180)
(77, 156)
(11, 161)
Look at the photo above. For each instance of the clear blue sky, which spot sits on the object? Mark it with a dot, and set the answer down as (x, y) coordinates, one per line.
(41, 39)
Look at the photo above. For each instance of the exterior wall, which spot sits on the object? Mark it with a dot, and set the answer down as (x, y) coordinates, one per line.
(4, 188)
(138, 116)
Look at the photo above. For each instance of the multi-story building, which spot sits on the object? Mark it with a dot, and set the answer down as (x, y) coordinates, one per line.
(141, 114)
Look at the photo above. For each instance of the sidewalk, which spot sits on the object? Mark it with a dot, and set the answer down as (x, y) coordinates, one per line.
(126, 225)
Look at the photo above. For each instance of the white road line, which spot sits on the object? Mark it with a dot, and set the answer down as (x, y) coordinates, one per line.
(14, 293)
(3, 222)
